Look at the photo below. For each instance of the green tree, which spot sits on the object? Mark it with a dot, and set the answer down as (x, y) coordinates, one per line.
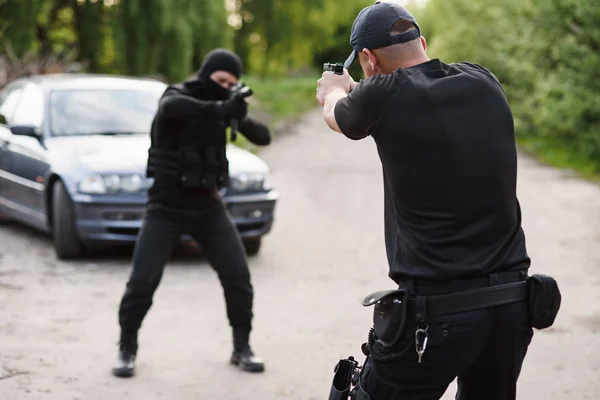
(88, 20)
(169, 37)
(209, 29)
(334, 45)
(279, 36)
(141, 25)
(18, 25)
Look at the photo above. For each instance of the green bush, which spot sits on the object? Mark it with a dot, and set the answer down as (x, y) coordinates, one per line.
(546, 53)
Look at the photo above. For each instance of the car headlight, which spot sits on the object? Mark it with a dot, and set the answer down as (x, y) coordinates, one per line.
(267, 182)
(132, 183)
(250, 182)
(110, 184)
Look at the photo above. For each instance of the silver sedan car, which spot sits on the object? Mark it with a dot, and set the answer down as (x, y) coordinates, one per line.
(73, 153)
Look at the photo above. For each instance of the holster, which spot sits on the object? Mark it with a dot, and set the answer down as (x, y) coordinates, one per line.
(345, 373)
(544, 300)
(389, 315)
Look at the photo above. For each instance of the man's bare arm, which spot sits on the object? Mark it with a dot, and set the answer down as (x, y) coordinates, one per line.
(329, 108)
(331, 88)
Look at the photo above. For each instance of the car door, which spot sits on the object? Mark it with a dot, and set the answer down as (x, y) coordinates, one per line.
(4, 137)
(4, 186)
(27, 156)
(10, 97)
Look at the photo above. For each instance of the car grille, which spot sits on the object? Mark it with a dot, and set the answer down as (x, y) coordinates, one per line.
(122, 216)
(250, 227)
(123, 231)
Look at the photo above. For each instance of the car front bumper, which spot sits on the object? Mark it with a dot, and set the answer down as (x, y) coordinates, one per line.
(118, 219)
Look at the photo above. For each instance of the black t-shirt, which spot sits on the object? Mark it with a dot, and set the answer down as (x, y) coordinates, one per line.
(445, 137)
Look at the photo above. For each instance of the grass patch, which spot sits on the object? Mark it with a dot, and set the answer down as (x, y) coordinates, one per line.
(279, 99)
(284, 98)
(557, 155)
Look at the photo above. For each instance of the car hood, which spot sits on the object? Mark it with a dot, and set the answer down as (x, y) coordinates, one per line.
(129, 154)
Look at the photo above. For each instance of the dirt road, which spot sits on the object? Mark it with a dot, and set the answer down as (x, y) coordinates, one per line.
(58, 325)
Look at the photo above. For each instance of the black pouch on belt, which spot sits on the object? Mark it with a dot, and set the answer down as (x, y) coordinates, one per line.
(544, 300)
(389, 316)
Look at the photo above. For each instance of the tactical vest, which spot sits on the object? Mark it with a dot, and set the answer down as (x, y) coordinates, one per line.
(193, 165)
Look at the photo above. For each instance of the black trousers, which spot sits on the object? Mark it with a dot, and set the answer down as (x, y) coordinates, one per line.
(214, 230)
(484, 348)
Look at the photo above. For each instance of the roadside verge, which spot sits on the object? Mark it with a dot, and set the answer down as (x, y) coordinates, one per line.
(279, 103)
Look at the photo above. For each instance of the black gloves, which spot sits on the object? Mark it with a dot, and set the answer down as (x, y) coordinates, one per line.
(232, 109)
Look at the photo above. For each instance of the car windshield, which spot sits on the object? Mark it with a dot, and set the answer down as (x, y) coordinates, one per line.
(102, 111)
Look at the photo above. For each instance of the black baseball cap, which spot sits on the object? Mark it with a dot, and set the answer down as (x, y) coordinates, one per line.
(372, 27)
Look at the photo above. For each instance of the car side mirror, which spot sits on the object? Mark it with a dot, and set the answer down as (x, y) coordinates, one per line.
(24, 130)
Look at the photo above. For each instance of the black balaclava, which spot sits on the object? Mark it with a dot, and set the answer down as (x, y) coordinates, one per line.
(218, 60)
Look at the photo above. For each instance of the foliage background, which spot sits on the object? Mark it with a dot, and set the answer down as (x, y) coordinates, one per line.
(545, 52)
(547, 55)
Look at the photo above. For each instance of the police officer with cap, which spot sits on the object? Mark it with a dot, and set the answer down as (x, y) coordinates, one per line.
(455, 246)
(187, 160)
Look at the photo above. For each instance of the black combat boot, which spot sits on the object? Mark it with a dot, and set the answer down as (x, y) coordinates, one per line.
(125, 365)
(243, 356)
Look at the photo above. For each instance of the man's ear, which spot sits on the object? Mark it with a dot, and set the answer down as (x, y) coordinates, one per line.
(371, 59)
(424, 43)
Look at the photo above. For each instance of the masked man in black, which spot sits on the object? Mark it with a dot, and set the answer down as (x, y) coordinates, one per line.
(187, 160)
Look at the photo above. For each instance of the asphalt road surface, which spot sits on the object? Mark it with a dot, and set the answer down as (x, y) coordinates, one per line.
(58, 320)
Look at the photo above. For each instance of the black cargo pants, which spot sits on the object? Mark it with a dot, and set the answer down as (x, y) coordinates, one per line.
(214, 230)
(484, 348)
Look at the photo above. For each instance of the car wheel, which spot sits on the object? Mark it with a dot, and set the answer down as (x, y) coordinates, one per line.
(252, 246)
(66, 242)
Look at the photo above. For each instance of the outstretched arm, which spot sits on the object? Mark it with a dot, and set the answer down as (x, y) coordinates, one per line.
(255, 131)
(331, 88)
(354, 109)
(174, 104)
(329, 108)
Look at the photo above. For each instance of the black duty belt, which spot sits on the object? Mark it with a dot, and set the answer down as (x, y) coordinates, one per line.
(491, 296)
(442, 298)
(393, 308)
